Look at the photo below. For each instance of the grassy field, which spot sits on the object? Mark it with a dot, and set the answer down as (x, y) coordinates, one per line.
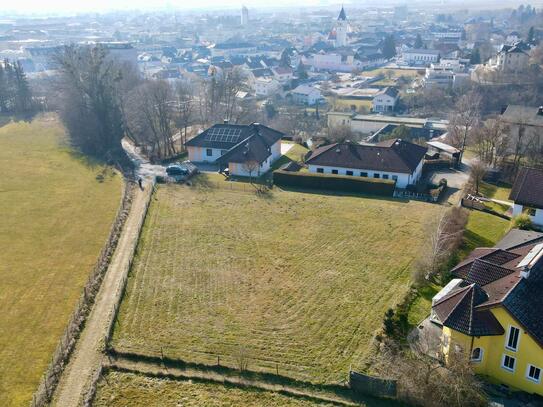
(56, 217)
(118, 389)
(296, 282)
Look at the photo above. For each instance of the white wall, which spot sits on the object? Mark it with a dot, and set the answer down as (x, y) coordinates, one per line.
(402, 181)
(199, 154)
(536, 220)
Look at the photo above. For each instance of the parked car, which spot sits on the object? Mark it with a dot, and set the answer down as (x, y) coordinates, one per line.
(181, 172)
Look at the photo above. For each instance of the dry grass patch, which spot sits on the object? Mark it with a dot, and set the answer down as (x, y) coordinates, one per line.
(294, 282)
(118, 389)
(56, 217)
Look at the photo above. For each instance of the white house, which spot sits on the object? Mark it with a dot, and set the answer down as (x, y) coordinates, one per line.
(394, 159)
(283, 74)
(421, 57)
(527, 194)
(306, 95)
(386, 100)
(246, 150)
(265, 87)
(337, 61)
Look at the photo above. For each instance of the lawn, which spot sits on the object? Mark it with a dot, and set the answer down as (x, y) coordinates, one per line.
(294, 154)
(294, 282)
(499, 191)
(56, 217)
(117, 389)
(482, 230)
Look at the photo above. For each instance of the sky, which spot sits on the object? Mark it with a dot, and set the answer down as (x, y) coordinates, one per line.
(69, 6)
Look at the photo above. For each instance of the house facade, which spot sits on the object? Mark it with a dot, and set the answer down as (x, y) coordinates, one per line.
(385, 101)
(491, 315)
(306, 95)
(420, 57)
(396, 160)
(527, 194)
(265, 87)
(246, 150)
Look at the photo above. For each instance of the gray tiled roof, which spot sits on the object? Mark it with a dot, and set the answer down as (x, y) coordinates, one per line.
(528, 188)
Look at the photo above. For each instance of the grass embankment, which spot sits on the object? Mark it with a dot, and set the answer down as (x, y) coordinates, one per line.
(56, 217)
(291, 282)
(119, 389)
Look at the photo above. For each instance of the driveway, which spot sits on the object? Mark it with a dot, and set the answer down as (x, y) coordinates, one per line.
(144, 168)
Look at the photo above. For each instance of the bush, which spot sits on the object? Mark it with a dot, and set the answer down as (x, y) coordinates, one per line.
(522, 221)
(343, 183)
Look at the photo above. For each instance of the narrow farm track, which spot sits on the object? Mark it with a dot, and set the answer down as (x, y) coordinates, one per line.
(88, 354)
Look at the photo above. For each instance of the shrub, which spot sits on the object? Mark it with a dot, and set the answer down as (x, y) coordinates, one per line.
(522, 221)
(334, 182)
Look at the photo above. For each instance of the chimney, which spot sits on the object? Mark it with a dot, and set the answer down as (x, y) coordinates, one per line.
(540, 111)
(225, 121)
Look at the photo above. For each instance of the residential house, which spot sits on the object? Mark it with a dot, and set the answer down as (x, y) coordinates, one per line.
(525, 120)
(283, 74)
(393, 159)
(246, 150)
(512, 58)
(306, 95)
(527, 194)
(491, 312)
(265, 87)
(386, 100)
(420, 57)
(231, 48)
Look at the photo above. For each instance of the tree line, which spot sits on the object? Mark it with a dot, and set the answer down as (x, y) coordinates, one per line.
(101, 100)
(15, 94)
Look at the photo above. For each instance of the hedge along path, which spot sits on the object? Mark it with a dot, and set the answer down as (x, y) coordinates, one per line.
(88, 355)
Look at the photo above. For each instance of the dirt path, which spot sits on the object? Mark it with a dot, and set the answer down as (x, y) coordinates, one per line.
(88, 353)
(154, 369)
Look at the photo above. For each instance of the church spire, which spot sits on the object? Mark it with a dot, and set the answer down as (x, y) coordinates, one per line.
(342, 15)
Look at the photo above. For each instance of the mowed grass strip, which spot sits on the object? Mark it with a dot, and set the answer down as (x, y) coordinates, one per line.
(119, 389)
(296, 283)
(56, 217)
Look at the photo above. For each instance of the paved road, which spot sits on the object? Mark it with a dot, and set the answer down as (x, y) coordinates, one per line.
(88, 354)
(144, 168)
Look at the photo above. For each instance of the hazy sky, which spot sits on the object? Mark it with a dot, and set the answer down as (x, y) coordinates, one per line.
(67, 6)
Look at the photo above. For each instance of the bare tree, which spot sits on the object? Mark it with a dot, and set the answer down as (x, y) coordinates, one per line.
(184, 116)
(464, 118)
(445, 235)
(490, 141)
(251, 166)
(150, 117)
(90, 106)
(477, 173)
(340, 134)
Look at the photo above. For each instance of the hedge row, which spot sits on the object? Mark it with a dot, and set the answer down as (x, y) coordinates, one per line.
(342, 183)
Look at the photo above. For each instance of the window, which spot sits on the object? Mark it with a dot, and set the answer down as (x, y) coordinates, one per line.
(528, 210)
(363, 174)
(477, 355)
(349, 173)
(334, 171)
(512, 338)
(395, 177)
(375, 175)
(385, 176)
(320, 170)
(209, 152)
(533, 373)
(508, 363)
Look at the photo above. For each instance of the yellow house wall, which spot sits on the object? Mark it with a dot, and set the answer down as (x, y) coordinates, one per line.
(528, 352)
(347, 103)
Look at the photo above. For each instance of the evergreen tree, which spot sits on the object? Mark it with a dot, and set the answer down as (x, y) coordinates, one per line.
(531, 36)
(301, 73)
(285, 58)
(475, 57)
(23, 97)
(389, 47)
(3, 90)
(418, 42)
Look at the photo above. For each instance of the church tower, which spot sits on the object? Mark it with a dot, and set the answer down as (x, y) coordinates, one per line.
(341, 29)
